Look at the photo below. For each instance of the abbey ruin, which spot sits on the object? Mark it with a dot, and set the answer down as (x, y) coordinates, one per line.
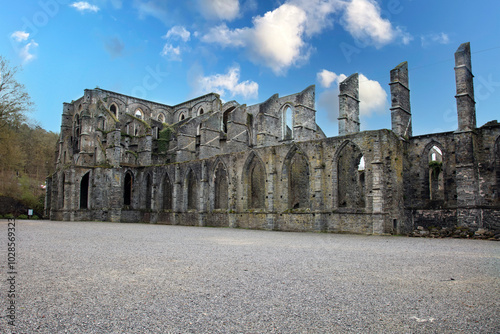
(270, 166)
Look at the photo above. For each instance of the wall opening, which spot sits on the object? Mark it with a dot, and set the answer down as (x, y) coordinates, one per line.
(192, 191)
(201, 111)
(298, 178)
(138, 113)
(220, 188)
(287, 123)
(127, 189)
(350, 179)
(225, 119)
(76, 134)
(436, 179)
(161, 118)
(149, 192)
(62, 190)
(257, 184)
(114, 110)
(167, 193)
(84, 191)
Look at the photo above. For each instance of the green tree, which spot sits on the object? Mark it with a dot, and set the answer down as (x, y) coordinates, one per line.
(14, 100)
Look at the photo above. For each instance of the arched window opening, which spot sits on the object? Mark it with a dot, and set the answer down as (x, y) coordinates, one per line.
(220, 188)
(76, 134)
(167, 194)
(182, 117)
(298, 178)
(225, 119)
(201, 111)
(436, 179)
(161, 118)
(127, 189)
(84, 191)
(114, 110)
(257, 185)
(136, 130)
(350, 179)
(138, 113)
(287, 123)
(192, 192)
(149, 192)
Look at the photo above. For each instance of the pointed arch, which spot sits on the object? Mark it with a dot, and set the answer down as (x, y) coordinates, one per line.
(127, 188)
(225, 118)
(191, 186)
(296, 178)
(220, 186)
(84, 191)
(350, 177)
(148, 191)
(167, 193)
(287, 119)
(432, 158)
(254, 174)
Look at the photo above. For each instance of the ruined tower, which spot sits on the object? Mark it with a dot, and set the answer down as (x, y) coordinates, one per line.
(400, 101)
(349, 105)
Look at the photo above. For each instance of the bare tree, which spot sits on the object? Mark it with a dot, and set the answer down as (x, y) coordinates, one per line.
(14, 100)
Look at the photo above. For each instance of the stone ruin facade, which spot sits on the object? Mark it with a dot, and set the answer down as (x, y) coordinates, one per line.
(270, 166)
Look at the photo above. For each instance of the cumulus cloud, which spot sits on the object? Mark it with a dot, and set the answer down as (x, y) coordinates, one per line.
(275, 40)
(220, 9)
(20, 36)
(363, 21)
(429, 39)
(326, 78)
(228, 84)
(318, 13)
(83, 6)
(26, 52)
(373, 98)
(178, 32)
(171, 53)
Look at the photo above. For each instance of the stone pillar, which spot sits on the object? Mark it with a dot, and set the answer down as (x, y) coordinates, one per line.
(400, 101)
(465, 138)
(177, 191)
(116, 193)
(271, 181)
(203, 194)
(466, 106)
(349, 105)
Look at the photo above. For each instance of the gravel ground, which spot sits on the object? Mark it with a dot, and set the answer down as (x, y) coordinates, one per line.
(90, 277)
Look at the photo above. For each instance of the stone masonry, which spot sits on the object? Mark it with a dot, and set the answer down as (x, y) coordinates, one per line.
(270, 166)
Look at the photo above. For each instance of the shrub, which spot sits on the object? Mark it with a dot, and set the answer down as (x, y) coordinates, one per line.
(22, 217)
(9, 216)
(35, 217)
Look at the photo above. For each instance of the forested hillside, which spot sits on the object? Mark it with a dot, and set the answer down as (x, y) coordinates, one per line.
(27, 152)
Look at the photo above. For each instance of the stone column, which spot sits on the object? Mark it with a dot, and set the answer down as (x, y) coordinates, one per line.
(465, 138)
(400, 100)
(466, 106)
(349, 106)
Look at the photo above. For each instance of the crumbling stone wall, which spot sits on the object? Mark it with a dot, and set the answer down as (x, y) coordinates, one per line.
(269, 165)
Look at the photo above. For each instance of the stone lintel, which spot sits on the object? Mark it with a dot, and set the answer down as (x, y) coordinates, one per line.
(400, 83)
(400, 108)
(349, 95)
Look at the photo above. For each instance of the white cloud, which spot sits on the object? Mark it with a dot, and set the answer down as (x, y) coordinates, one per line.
(172, 53)
(220, 9)
(26, 52)
(373, 98)
(178, 32)
(429, 39)
(225, 37)
(275, 40)
(318, 13)
(326, 78)
(20, 36)
(83, 6)
(228, 83)
(363, 22)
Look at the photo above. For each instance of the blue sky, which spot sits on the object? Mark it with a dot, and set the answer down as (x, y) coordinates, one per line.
(247, 50)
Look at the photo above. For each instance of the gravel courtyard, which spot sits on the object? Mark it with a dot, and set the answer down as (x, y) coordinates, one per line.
(91, 277)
